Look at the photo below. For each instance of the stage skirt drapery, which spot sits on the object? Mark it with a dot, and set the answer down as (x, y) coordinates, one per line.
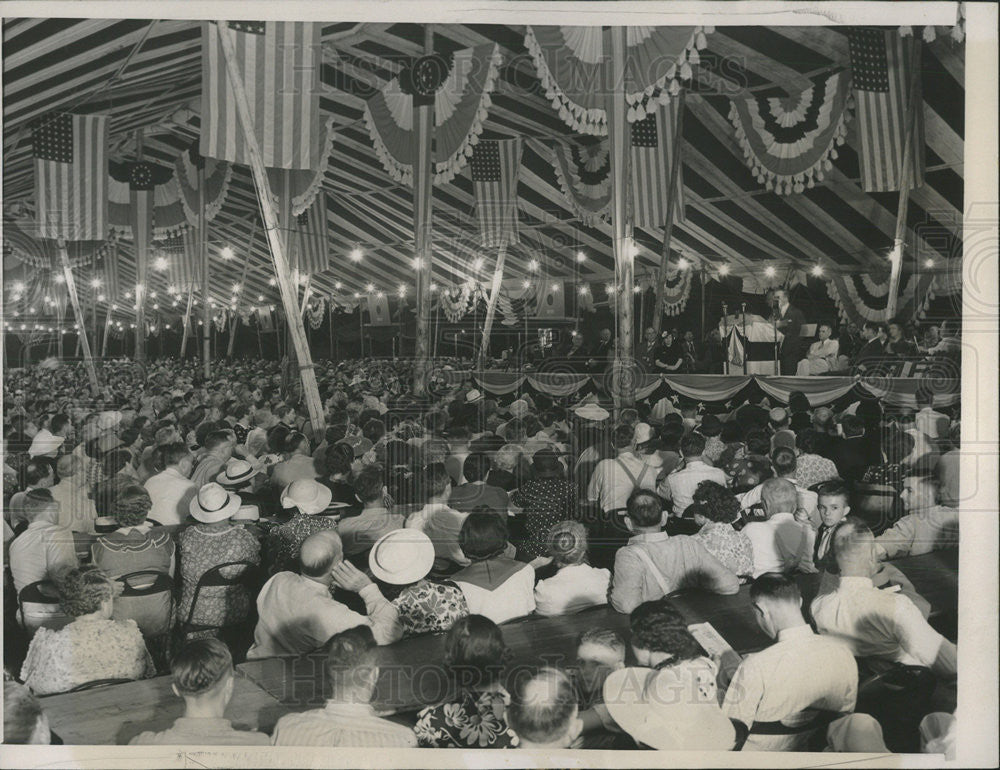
(709, 388)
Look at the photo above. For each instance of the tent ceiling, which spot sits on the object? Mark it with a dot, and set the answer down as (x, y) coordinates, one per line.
(142, 73)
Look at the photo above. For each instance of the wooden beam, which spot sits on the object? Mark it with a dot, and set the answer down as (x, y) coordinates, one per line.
(206, 277)
(141, 274)
(491, 306)
(423, 200)
(81, 322)
(307, 372)
(186, 328)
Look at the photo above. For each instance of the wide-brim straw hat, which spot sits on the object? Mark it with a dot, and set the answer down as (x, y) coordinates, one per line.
(213, 503)
(402, 556)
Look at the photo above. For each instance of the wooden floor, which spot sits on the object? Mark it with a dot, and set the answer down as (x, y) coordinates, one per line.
(412, 672)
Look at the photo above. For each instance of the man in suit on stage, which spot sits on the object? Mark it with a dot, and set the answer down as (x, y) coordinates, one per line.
(790, 320)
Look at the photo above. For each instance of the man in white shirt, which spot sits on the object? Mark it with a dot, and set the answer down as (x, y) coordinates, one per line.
(877, 623)
(298, 466)
(48, 441)
(682, 483)
(440, 522)
(218, 449)
(76, 509)
(613, 479)
(780, 544)
(784, 462)
(931, 423)
(171, 490)
(44, 548)
(822, 355)
(298, 615)
(926, 526)
(793, 678)
(348, 718)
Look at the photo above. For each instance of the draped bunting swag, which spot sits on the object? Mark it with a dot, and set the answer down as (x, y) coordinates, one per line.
(789, 143)
(676, 289)
(461, 104)
(583, 168)
(315, 312)
(573, 67)
(859, 298)
(930, 33)
(20, 238)
(303, 185)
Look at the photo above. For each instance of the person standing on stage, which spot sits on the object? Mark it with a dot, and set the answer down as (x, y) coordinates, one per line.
(690, 352)
(789, 323)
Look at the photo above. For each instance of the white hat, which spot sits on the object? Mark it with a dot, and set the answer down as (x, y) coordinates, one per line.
(592, 412)
(213, 503)
(308, 496)
(402, 556)
(642, 433)
(669, 709)
(518, 409)
(109, 420)
(236, 472)
(473, 396)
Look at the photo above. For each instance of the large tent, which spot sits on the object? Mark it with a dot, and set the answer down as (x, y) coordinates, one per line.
(147, 75)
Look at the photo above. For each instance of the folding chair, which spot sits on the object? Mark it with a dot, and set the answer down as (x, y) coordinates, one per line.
(38, 606)
(226, 576)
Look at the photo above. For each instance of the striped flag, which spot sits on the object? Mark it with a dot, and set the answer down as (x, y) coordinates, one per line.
(71, 176)
(312, 252)
(280, 64)
(651, 148)
(378, 309)
(141, 190)
(109, 273)
(183, 265)
(880, 60)
(495, 167)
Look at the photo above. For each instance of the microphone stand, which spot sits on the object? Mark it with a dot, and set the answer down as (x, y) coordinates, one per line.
(746, 342)
(725, 334)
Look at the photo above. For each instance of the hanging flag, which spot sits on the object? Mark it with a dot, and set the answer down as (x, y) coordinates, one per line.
(141, 187)
(312, 252)
(280, 64)
(495, 167)
(264, 319)
(378, 309)
(551, 301)
(880, 60)
(108, 267)
(71, 176)
(183, 264)
(652, 144)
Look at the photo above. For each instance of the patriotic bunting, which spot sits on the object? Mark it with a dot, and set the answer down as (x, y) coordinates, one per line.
(790, 143)
(280, 65)
(460, 99)
(495, 166)
(71, 171)
(311, 255)
(183, 263)
(583, 169)
(881, 62)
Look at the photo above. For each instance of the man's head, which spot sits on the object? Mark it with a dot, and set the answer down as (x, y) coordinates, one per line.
(437, 483)
(38, 473)
(60, 425)
(854, 548)
(202, 674)
(781, 297)
(777, 603)
(919, 493)
(645, 511)
(218, 443)
(543, 710)
(692, 445)
(599, 651)
(176, 456)
(783, 461)
(824, 331)
(650, 334)
(895, 330)
(369, 486)
(483, 535)
(869, 330)
(832, 503)
(621, 439)
(68, 466)
(319, 554)
(39, 506)
(351, 665)
(778, 496)
(852, 426)
(605, 335)
(476, 466)
(659, 632)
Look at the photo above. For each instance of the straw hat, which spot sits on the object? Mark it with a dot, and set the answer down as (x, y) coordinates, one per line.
(518, 409)
(643, 433)
(309, 496)
(402, 556)
(213, 503)
(236, 472)
(592, 412)
(656, 708)
(473, 396)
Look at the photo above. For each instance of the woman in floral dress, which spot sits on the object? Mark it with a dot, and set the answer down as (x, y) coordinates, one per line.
(214, 540)
(474, 652)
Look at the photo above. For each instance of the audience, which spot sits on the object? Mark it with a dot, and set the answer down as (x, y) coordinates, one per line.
(545, 500)
(682, 483)
(927, 526)
(543, 711)
(348, 718)
(171, 490)
(44, 548)
(715, 509)
(203, 676)
(306, 500)
(439, 521)
(780, 543)
(576, 585)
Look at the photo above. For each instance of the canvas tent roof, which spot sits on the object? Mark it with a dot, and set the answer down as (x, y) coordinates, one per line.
(147, 74)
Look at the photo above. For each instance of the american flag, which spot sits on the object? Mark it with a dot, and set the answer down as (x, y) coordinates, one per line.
(141, 189)
(880, 60)
(109, 272)
(495, 167)
(71, 176)
(651, 148)
(183, 265)
(312, 252)
(280, 65)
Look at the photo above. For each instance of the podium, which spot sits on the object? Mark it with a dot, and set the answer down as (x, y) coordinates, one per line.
(751, 343)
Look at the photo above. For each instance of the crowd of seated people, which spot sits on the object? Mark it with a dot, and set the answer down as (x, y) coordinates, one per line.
(459, 519)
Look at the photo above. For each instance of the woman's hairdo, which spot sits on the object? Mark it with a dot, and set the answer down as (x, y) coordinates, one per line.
(568, 542)
(83, 590)
(130, 506)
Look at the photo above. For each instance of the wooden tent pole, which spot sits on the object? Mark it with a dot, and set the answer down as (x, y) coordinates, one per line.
(623, 382)
(310, 388)
(675, 167)
(243, 278)
(107, 328)
(206, 276)
(896, 256)
(88, 359)
(491, 306)
(423, 180)
(141, 275)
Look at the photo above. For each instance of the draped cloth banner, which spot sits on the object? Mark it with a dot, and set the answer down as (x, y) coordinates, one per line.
(861, 298)
(573, 65)
(894, 391)
(461, 101)
(676, 289)
(583, 169)
(22, 241)
(185, 184)
(302, 185)
(790, 142)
